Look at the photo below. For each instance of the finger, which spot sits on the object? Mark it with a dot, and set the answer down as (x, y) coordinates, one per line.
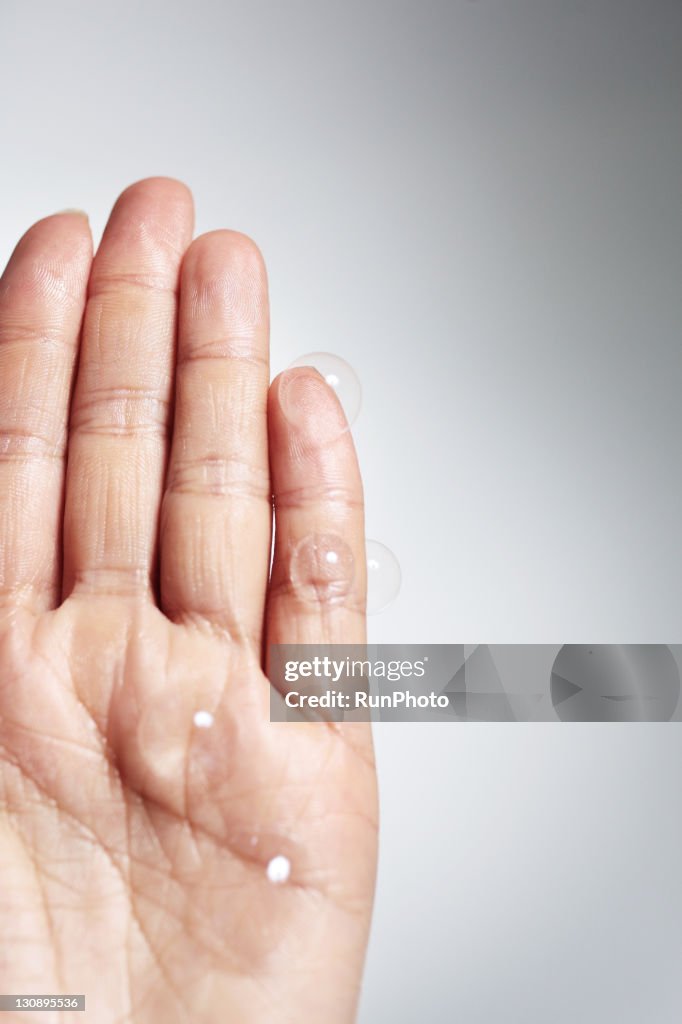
(119, 428)
(216, 517)
(317, 588)
(42, 297)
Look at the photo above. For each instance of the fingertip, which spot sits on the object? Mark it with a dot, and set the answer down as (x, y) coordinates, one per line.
(72, 211)
(62, 223)
(160, 183)
(300, 385)
(59, 244)
(162, 193)
(164, 207)
(230, 263)
(74, 224)
(293, 371)
(224, 279)
(227, 241)
(303, 403)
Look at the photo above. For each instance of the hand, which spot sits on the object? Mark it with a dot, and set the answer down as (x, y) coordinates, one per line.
(140, 450)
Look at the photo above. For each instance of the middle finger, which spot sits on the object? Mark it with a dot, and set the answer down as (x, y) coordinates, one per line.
(118, 435)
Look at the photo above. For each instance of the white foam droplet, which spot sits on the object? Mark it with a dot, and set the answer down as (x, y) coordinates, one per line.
(278, 869)
(332, 557)
(203, 719)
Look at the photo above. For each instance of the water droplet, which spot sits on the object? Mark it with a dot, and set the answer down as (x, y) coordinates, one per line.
(278, 869)
(383, 576)
(203, 719)
(340, 376)
(322, 568)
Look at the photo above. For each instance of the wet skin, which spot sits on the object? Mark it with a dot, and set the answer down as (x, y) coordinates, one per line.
(142, 451)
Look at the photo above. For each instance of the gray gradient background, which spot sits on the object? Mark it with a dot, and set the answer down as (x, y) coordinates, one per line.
(478, 204)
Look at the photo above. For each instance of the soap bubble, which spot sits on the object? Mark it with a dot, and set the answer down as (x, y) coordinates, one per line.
(322, 568)
(340, 376)
(383, 576)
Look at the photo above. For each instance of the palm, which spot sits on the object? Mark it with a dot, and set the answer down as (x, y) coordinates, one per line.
(146, 793)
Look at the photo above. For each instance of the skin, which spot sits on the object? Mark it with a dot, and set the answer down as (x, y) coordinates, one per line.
(142, 452)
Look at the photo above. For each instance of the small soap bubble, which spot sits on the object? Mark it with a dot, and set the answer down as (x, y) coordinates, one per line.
(340, 376)
(278, 869)
(203, 719)
(322, 568)
(383, 576)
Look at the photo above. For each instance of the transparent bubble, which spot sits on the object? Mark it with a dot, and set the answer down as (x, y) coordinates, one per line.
(383, 576)
(322, 568)
(340, 376)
